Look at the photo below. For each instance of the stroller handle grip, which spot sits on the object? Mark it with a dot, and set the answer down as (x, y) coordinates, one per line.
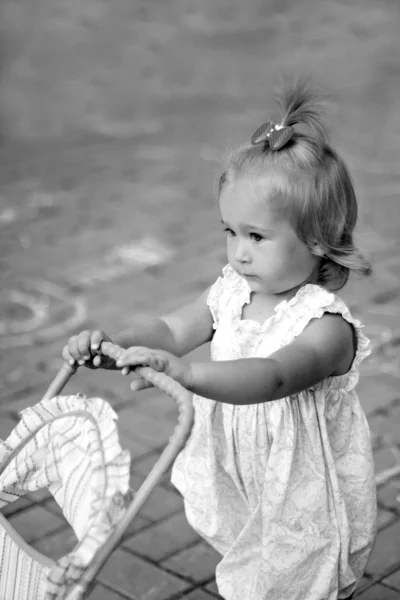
(176, 442)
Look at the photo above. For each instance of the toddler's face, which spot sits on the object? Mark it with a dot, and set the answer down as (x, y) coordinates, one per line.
(262, 244)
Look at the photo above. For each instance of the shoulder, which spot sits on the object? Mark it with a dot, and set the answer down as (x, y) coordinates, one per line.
(313, 298)
(332, 337)
(323, 323)
(321, 340)
(323, 349)
(328, 322)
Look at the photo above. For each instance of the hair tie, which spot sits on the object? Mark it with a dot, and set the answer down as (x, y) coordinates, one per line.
(276, 136)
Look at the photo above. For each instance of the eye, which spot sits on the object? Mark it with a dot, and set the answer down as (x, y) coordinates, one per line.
(256, 237)
(229, 232)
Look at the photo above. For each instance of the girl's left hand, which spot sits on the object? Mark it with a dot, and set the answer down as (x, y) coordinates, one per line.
(159, 360)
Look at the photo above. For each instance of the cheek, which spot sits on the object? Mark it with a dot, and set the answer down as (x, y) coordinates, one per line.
(294, 247)
(284, 252)
(297, 254)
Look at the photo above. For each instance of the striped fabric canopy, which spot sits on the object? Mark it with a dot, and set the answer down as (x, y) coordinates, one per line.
(70, 445)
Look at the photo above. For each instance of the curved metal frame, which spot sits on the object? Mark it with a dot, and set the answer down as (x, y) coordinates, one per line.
(177, 441)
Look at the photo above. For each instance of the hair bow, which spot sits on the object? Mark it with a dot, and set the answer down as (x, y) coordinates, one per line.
(276, 136)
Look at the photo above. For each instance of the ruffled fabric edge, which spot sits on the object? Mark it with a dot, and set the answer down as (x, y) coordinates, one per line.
(109, 485)
(221, 291)
(310, 302)
(326, 302)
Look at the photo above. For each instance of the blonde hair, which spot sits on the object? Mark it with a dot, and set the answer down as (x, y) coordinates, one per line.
(320, 199)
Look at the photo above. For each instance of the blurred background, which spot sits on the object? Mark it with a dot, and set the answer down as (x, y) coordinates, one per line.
(114, 116)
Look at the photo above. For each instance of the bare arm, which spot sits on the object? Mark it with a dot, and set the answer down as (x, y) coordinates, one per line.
(325, 348)
(180, 332)
(151, 332)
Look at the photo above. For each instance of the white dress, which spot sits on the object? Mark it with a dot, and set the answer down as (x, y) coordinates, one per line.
(284, 490)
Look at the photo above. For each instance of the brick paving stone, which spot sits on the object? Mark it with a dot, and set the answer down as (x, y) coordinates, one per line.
(56, 544)
(147, 429)
(385, 517)
(35, 522)
(102, 592)
(389, 495)
(103, 383)
(212, 587)
(378, 592)
(138, 523)
(198, 594)
(197, 562)
(160, 503)
(163, 538)
(385, 553)
(363, 583)
(52, 506)
(27, 397)
(15, 507)
(87, 381)
(388, 425)
(377, 392)
(143, 466)
(130, 442)
(138, 578)
(39, 496)
(158, 405)
(376, 424)
(393, 580)
(384, 458)
(7, 424)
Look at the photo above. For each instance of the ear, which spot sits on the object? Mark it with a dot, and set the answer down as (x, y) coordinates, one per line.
(317, 249)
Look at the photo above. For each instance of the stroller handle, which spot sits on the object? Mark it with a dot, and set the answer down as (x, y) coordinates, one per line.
(177, 441)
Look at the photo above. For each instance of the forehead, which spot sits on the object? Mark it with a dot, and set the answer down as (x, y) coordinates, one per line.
(251, 200)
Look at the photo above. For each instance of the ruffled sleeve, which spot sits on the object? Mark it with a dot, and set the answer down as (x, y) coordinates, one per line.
(227, 289)
(312, 302)
(363, 345)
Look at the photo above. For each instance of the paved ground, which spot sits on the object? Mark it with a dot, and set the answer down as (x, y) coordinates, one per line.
(113, 216)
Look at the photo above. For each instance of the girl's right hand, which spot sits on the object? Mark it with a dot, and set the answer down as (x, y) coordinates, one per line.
(85, 349)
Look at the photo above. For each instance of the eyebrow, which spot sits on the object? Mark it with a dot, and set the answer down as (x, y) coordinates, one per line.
(250, 227)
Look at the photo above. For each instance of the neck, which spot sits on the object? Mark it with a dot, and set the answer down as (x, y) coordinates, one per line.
(312, 278)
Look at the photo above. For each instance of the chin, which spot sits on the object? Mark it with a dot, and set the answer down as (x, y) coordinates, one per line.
(256, 285)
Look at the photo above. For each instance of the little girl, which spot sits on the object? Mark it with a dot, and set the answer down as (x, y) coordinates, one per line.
(277, 474)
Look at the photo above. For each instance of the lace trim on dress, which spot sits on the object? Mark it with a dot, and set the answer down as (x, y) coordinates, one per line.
(310, 302)
(303, 310)
(228, 286)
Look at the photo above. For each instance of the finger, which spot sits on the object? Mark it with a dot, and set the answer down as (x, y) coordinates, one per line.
(67, 356)
(142, 358)
(132, 358)
(102, 361)
(112, 351)
(97, 360)
(96, 339)
(73, 348)
(125, 371)
(140, 384)
(134, 375)
(84, 345)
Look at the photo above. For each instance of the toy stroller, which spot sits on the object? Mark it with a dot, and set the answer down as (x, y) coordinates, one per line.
(91, 473)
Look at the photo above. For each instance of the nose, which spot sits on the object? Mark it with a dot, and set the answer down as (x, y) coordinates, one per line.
(242, 254)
